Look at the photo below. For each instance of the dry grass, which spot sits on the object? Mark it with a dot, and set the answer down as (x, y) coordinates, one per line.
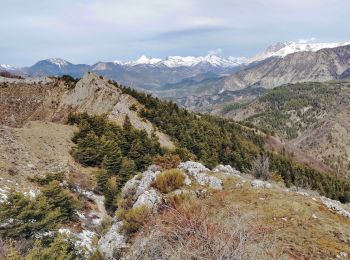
(245, 223)
(292, 219)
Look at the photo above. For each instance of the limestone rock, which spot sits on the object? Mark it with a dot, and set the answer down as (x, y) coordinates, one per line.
(226, 169)
(259, 184)
(199, 172)
(193, 167)
(147, 178)
(335, 206)
(150, 198)
(112, 243)
(139, 183)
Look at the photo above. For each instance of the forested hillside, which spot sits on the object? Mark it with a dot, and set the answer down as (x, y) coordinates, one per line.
(312, 116)
(215, 140)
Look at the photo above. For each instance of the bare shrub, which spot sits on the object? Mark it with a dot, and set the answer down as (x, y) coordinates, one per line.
(169, 180)
(260, 168)
(167, 161)
(189, 232)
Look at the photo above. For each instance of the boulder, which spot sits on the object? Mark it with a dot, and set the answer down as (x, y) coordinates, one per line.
(193, 167)
(226, 169)
(150, 198)
(259, 184)
(130, 185)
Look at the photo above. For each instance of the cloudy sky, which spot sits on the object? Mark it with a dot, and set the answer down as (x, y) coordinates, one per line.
(87, 31)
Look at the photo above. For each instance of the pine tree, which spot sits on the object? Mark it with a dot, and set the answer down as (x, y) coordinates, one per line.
(113, 157)
(88, 150)
(139, 154)
(110, 193)
(127, 170)
(129, 136)
(101, 179)
(61, 248)
(57, 197)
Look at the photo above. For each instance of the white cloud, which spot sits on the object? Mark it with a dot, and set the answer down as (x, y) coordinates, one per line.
(312, 39)
(215, 52)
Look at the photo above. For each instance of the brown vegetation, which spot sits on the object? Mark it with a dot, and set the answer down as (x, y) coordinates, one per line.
(169, 180)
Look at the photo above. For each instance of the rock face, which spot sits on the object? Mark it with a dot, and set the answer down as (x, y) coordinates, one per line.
(112, 243)
(140, 183)
(139, 187)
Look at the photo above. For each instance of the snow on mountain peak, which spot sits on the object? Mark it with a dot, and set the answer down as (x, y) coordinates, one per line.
(146, 60)
(59, 62)
(6, 67)
(282, 49)
(184, 61)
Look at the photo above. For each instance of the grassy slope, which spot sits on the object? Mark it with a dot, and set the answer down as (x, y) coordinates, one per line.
(279, 224)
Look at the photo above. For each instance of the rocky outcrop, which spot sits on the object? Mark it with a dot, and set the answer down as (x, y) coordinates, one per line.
(113, 242)
(335, 206)
(150, 198)
(201, 174)
(53, 100)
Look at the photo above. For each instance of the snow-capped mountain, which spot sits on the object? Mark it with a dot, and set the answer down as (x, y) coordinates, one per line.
(56, 67)
(282, 49)
(6, 67)
(59, 62)
(186, 61)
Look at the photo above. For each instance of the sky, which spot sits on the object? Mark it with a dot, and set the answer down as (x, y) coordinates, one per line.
(88, 31)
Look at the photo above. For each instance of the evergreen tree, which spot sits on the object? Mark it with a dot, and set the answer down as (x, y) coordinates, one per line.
(129, 136)
(110, 193)
(62, 248)
(28, 216)
(88, 150)
(101, 179)
(139, 154)
(112, 157)
(127, 170)
(57, 197)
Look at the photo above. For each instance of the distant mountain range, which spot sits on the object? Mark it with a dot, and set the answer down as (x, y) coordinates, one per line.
(185, 77)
